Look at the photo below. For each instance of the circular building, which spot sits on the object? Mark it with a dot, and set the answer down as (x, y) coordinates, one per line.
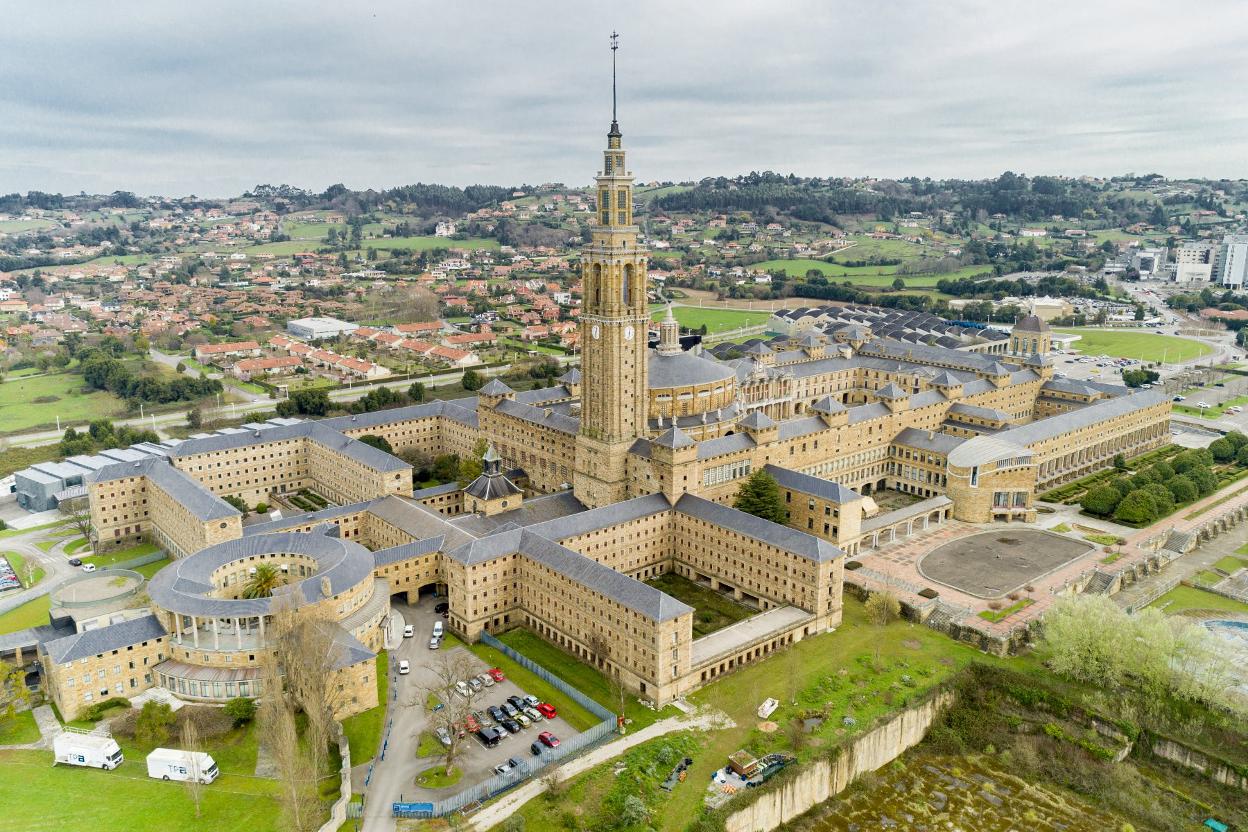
(691, 391)
(217, 637)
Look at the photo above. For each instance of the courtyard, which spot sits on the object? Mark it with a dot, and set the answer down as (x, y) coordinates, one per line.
(712, 610)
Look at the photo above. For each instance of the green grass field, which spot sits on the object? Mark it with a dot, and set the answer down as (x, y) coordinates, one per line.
(16, 560)
(20, 729)
(31, 614)
(121, 555)
(364, 729)
(714, 610)
(1144, 345)
(1184, 598)
(18, 226)
(19, 411)
(716, 320)
(426, 243)
(875, 276)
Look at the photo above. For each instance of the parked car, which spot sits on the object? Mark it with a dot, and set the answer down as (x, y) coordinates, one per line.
(516, 702)
(472, 723)
(506, 765)
(496, 674)
(409, 631)
(548, 739)
(442, 607)
(510, 724)
(475, 684)
(404, 668)
(444, 736)
(524, 721)
(536, 748)
(437, 629)
(530, 700)
(496, 713)
(481, 717)
(490, 737)
(435, 643)
(546, 710)
(1180, 398)
(463, 690)
(88, 567)
(486, 680)
(532, 714)
(1198, 404)
(75, 561)
(508, 709)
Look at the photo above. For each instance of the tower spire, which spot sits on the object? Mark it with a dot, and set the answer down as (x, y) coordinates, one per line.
(615, 45)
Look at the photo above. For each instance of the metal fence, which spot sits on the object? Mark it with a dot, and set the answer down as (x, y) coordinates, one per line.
(141, 560)
(529, 766)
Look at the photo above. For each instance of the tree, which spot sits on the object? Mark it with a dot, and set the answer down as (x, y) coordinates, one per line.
(305, 402)
(13, 691)
(1120, 462)
(378, 442)
(473, 380)
(194, 418)
(262, 582)
(760, 496)
(151, 728)
(1101, 500)
(1222, 450)
(470, 467)
(600, 650)
(1182, 489)
(882, 608)
(416, 392)
(194, 782)
(78, 510)
(1136, 508)
(634, 811)
(899, 284)
(1241, 457)
(295, 775)
(307, 651)
(241, 709)
(1206, 481)
(449, 669)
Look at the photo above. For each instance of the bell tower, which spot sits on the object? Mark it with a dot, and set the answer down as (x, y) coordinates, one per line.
(614, 319)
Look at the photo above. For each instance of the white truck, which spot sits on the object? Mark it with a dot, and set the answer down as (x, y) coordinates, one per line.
(77, 747)
(175, 764)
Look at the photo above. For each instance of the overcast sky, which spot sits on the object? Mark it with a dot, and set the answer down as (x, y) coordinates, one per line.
(163, 98)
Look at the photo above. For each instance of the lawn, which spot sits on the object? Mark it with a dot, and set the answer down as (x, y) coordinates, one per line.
(122, 555)
(716, 320)
(877, 276)
(69, 797)
(20, 226)
(74, 546)
(426, 243)
(16, 560)
(437, 778)
(147, 570)
(62, 395)
(31, 614)
(1143, 345)
(1215, 412)
(364, 729)
(1230, 564)
(714, 610)
(1185, 598)
(19, 730)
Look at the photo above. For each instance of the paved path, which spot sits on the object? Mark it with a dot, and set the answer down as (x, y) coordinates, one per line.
(500, 810)
(55, 565)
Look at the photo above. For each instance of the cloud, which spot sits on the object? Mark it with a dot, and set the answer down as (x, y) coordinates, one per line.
(160, 98)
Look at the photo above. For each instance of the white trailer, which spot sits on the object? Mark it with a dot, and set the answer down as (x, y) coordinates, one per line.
(175, 764)
(77, 747)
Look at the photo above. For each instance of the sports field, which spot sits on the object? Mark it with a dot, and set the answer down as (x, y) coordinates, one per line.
(61, 395)
(1144, 345)
(716, 320)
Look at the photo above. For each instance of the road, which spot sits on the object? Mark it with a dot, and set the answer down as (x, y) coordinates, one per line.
(55, 563)
(233, 410)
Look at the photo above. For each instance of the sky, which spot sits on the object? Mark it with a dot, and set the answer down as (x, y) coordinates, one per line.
(165, 98)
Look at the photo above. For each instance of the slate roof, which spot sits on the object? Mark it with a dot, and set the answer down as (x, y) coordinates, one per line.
(491, 487)
(757, 420)
(926, 440)
(673, 437)
(684, 369)
(538, 416)
(721, 445)
(1042, 429)
(406, 551)
(807, 484)
(178, 484)
(891, 391)
(319, 432)
(782, 537)
(104, 639)
(495, 387)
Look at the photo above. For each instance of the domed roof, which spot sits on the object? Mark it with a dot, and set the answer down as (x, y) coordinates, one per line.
(1032, 323)
(685, 369)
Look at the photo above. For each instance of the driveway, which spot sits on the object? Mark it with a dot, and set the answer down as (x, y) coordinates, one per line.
(394, 777)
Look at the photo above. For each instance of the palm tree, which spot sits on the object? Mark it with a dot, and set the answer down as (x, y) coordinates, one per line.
(263, 581)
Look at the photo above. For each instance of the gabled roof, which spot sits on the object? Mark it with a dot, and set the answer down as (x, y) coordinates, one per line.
(495, 387)
(806, 484)
(104, 639)
(829, 406)
(783, 537)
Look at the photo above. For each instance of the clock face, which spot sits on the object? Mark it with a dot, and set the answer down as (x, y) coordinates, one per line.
(628, 333)
(595, 331)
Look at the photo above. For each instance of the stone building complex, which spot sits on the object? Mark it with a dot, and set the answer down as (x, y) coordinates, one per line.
(623, 471)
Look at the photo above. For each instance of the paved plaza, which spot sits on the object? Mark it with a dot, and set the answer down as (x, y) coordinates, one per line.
(995, 563)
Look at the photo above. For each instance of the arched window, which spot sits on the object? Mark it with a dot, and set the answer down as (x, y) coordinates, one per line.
(626, 294)
(596, 284)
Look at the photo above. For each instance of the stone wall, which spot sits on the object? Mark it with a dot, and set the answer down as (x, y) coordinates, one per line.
(823, 779)
(1216, 770)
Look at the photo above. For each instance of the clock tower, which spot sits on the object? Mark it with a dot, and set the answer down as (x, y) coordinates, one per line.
(614, 319)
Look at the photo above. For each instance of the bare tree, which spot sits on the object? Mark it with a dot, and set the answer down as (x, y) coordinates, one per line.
(296, 779)
(26, 572)
(194, 783)
(306, 651)
(78, 510)
(600, 649)
(447, 670)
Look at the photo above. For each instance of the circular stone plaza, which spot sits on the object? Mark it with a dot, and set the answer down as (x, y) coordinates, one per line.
(995, 563)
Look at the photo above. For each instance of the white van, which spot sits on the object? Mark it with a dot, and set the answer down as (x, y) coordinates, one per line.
(437, 629)
(175, 764)
(77, 747)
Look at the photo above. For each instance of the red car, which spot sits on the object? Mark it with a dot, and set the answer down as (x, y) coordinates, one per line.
(472, 724)
(548, 739)
(496, 674)
(547, 711)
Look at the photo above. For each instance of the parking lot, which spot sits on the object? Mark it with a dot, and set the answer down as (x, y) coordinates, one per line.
(396, 775)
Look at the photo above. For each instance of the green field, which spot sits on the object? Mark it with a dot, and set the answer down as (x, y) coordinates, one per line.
(364, 729)
(1184, 598)
(17, 560)
(716, 320)
(713, 610)
(426, 243)
(19, 411)
(1144, 345)
(31, 614)
(19, 226)
(121, 555)
(877, 276)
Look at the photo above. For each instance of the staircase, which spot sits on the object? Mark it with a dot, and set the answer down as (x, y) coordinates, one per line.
(945, 617)
(1099, 583)
(1178, 541)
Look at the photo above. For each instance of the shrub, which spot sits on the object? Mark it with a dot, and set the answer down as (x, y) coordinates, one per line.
(123, 725)
(1137, 507)
(1222, 449)
(151, 728)
(1101, 500)
(1237, 439)
(96, 711)
(1182, 489)
(262, 508)
(241, 709)
(209, 721)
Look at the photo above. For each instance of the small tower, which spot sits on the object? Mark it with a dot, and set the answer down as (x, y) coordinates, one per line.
(1030, 336)
(669, 334)
(492, 493)
(494, 392)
